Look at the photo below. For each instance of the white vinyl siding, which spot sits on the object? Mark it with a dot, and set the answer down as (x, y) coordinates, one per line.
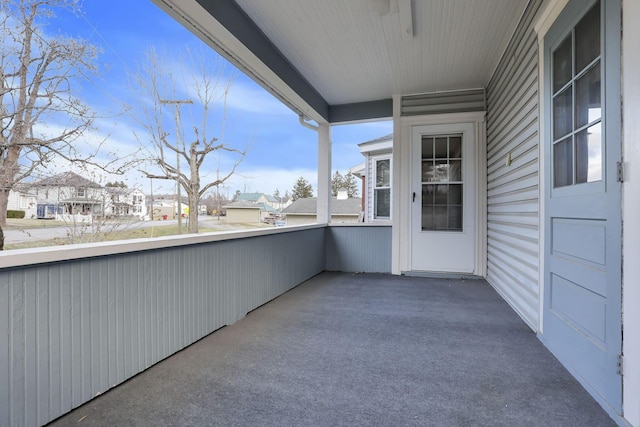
(369, 188)
(512, 173)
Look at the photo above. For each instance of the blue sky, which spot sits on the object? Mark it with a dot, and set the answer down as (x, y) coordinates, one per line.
(279, 149)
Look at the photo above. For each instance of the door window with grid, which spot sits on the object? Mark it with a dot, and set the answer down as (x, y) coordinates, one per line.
(577, 109)
(441, 183)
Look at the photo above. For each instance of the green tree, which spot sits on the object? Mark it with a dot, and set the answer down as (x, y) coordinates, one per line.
(301, 189)
(347, 182)
(337, 183)
(351, 184)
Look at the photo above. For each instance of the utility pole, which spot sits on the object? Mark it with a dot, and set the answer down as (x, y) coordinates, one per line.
(151, 181)
(177, 104)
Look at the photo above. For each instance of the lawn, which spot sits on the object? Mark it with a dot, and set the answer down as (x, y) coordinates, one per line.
(26, 223)
(122, 234)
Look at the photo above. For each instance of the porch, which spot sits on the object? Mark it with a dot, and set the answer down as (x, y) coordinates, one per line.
(359, 349)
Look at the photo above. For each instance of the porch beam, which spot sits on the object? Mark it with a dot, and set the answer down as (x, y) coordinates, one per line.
(231, 16)
(378, 109)
(324, 174)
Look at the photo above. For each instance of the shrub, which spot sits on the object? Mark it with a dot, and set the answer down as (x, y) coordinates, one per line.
(15, 214)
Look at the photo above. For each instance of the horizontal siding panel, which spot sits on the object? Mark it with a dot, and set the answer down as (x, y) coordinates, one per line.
(522, 218)
(513, 189)
(527, 277)
(520, 132)
(515, 207)
(524, 178)
(520, 195)
(444, 102)
(525, 151)
(516, 229)
(509, 105)
(518, 268)
(517, 297)
(521, 77)
(528, 247)
(517, 47)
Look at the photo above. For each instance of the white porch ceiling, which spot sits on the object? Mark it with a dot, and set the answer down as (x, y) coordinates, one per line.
(350, 53)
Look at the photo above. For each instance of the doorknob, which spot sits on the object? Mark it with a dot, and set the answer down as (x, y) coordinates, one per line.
(414, 196)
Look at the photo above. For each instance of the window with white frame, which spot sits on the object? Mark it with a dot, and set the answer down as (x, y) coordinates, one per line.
(382, 188)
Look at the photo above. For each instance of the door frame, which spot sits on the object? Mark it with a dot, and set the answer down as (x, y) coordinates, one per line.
(402, 184)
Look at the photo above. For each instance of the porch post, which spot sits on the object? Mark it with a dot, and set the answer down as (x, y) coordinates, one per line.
(324, 173)
(396, 187)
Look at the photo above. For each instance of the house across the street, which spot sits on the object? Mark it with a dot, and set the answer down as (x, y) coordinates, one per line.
(247, 212)
(69, 197)
(304, 211)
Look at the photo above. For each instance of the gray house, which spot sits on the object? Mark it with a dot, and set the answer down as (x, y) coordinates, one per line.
(515, 157)
(304, 211)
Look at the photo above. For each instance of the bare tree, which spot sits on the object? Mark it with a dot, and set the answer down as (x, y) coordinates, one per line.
(210, 86)
(40, 117)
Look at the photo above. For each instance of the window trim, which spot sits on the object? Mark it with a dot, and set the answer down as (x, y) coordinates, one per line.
(374, 172)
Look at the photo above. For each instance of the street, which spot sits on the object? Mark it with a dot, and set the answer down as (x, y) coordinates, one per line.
(12, 236)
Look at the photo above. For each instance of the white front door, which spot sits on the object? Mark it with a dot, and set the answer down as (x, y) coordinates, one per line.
(443, 198)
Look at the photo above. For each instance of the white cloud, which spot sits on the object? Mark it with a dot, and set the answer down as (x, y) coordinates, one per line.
(252, 98)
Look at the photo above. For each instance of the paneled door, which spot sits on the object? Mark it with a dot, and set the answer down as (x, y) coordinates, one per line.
(582, 278)
(443, 231)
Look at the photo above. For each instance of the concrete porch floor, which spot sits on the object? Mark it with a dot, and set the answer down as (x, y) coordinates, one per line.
(358, 349)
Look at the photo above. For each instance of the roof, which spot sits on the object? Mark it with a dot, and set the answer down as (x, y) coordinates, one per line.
(24, 189)
(66, 179)
(266, 207)
(383, 144)
(380, 139)
(122, 190)
(254, 197)
(309, 206)
(358, 170)
(242, 204)
(339, 61)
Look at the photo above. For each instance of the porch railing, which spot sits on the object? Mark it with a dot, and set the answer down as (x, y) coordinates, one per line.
(76, 322)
